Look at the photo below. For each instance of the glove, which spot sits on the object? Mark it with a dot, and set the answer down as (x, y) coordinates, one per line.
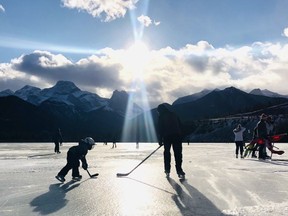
(160, 143)
(84, 166)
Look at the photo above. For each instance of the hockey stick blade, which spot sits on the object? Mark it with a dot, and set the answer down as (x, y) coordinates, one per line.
(122, 174)
(92, 176)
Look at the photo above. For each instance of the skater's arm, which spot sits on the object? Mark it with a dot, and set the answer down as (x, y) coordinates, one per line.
(84, 163)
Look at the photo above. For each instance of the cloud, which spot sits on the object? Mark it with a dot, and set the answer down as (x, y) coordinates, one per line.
(91, 72)
(156, 23)
(111, 9)
(285, 32)
(169, 73)
(2, 9)
(144, 20)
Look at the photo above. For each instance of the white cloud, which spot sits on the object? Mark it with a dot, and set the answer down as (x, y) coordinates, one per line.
(156, 23)
(2, 9)
(285, 32)
(144, 20)
(111, 9)
(169, 73)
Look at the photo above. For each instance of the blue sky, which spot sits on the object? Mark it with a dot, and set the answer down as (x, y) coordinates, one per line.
(182, 46)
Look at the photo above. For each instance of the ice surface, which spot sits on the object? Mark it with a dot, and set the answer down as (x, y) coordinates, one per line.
(217, 183)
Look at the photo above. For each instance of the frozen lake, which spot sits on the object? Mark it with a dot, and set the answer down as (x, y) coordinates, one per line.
(216, 182)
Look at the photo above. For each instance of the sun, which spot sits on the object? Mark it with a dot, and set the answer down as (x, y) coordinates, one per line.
(136, 58)
(139, 48)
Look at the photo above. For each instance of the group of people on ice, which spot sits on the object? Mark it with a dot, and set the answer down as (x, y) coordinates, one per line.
(263, 136)
(170, 135)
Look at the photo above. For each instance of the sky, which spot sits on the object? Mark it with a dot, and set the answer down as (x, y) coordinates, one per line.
(157, 50)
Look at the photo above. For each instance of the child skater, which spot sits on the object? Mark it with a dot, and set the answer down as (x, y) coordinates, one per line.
(74, 154)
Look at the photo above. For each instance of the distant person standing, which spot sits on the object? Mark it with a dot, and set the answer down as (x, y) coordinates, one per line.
(170, 134)
(58, 139)
(238, 132)
(114, 145)
(262, 133)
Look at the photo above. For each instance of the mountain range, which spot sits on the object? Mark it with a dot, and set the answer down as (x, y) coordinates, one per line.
(66, 92)
(33, 114)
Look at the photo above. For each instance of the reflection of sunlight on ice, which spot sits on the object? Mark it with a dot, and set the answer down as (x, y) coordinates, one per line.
(133, 198)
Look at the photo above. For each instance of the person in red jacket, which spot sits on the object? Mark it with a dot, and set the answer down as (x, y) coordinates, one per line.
(74, 154)
(170, 134)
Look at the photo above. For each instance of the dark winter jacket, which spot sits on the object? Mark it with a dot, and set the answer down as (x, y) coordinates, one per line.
(168, 124)
(261, 129)
(79, 152)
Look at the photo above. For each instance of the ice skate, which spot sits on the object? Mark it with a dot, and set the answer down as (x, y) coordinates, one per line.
(77, 178)
(167, 174)
(181, 175)
(60, 178)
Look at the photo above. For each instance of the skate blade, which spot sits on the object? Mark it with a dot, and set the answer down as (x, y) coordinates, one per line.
(59, 179)
(181, 177)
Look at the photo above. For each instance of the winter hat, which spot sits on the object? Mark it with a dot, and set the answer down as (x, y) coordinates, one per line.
(263, 116)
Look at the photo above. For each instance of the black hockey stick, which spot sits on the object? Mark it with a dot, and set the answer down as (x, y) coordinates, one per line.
(92, 176)
(126, 174)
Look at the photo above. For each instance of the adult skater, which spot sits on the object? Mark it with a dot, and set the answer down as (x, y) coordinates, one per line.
(58, 139)
(74, 154)
(262, 134)
(238, 132)
(170, 134)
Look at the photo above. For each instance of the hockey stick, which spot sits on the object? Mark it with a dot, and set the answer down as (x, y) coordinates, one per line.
(92, 176)
(126, 174)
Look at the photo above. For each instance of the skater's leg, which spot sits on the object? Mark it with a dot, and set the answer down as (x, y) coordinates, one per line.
(63, 172)
(241, 149)
(261, 153)
(237, 149)
(167, 155)
(75, 168)
(56, 149)
(177, 148)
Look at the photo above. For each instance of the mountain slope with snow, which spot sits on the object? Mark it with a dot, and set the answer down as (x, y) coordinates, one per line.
(68, 93)
(267, 93)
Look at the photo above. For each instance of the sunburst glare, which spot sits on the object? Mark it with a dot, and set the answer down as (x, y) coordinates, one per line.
(136, 58)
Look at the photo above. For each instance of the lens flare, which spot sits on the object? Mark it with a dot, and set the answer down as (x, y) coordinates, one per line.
(138, 56)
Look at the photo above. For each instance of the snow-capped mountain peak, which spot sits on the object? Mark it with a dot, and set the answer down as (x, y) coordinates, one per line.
(61, 88)
(266, 92)
(6, 92)
(193, 97)
(27, 92)
(66, 92)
